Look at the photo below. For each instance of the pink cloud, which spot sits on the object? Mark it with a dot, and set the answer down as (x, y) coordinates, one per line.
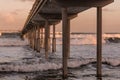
(27, 0)
(109, 9)
(9, 18)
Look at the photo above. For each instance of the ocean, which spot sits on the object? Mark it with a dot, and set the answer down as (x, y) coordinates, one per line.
(19, 62)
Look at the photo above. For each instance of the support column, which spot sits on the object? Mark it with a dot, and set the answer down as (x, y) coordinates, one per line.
(32, 38)
(35, 38)
(38, 40)
(47, 30)
(54, 40)
(99, 43)
(28, 34)
(69, 38)
(49, 40)
(66, 40)
(42, 38)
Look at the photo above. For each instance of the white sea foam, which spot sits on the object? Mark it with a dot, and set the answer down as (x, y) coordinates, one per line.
(51, 65)
(12, 42)
(24, 59)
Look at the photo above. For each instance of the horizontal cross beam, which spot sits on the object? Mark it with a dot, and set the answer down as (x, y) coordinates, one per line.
(56, 16)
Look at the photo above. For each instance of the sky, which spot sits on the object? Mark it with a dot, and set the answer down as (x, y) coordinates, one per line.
(13, 14)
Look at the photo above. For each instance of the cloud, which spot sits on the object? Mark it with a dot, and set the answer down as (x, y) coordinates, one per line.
(109, 9)
(14, 19)
(18, 11)
(27, 0)
(7, 18)
(10, 17)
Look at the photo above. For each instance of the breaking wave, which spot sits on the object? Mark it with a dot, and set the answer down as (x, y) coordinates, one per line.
(81, 39)
(73, 63)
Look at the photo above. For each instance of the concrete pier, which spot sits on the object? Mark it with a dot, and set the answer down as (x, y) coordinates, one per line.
(47, 38)
(42, 38)
(38, 39)
(35, 39)
(66, 40)
(50, 12)
(99, 43)
(54, 40)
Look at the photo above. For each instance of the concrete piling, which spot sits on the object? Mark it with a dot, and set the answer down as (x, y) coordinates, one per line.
(47, 29)
(38, 39)
(99, 43)
(42, 38)
(30, 34)
(32, 38)
(66, 40)
(54, 40)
